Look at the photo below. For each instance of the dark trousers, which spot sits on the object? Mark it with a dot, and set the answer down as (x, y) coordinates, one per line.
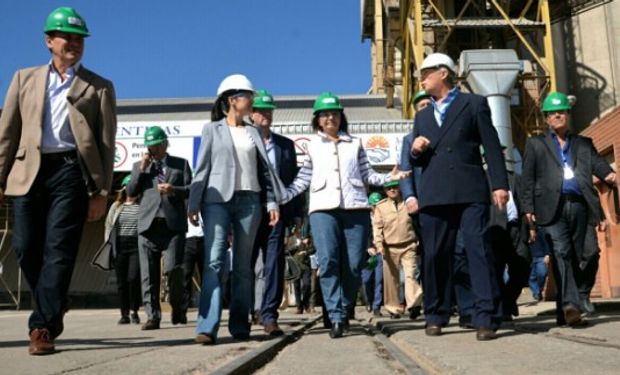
(462, 282)
(504, 243)
(564, 235)
(127, 268)
(372, 285)
(157, 242)
(302, 289)
(46, 236)
(439, 226)
(193, 255)
(271, 241)
(588, 264)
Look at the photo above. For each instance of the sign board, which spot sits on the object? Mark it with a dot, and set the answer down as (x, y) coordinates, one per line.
(184, 139)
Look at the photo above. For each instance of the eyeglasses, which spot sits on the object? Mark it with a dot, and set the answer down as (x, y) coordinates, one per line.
(327, 114)
(243, 94)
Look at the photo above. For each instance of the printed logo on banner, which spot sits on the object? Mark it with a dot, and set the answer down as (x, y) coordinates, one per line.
(301, 149)
(120, 154)
(377, 149)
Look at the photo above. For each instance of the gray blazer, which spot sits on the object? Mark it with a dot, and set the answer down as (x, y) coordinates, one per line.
(179, 174)
(215, 168)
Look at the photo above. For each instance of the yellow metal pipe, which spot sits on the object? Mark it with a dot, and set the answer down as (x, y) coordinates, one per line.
(548, 44)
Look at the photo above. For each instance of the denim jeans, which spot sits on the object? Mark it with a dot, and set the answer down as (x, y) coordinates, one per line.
(538, 276)
(242, 214)
(341, 240)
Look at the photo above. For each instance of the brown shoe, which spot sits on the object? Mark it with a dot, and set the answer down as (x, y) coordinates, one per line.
(299, 311)
(272, 329)
(41, 342)
(485, 334)
(204, 339)
(150, 324)
(432, 330)
(572, 315)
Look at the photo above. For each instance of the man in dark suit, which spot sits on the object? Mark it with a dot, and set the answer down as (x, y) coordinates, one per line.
(454, 195)
(57, 135)
(163, 180)
(270, 240)
(558, 195)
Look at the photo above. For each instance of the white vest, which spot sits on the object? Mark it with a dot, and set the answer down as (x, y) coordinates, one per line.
(336, 179)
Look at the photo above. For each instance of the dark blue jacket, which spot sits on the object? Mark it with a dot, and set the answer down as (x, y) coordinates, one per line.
(452, 170)
(286, 161)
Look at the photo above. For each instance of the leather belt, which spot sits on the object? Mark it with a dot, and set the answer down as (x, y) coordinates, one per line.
(573, 198)
(56, 157)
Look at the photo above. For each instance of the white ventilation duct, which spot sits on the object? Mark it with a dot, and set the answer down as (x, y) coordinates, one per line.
(493, 73)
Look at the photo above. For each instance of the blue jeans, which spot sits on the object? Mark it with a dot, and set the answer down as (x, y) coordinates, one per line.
(242, 214)
(372, 281)
(341, 240)
(538, 276)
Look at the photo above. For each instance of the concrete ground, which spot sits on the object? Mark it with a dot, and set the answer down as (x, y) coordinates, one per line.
(93, 343)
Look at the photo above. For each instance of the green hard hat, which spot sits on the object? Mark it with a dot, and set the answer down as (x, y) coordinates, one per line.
(391, 183)
(419, 96)
(556, 101)
(126, 180)
(154, 136)
(374, 198)
(66, 20)
(263, 100)
(327, 102)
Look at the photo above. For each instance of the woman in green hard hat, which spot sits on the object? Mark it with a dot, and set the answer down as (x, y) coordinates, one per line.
(234, 181)
(121, 231)
(336, 171)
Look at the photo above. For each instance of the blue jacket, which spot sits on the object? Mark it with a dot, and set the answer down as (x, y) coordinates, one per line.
(452, 170)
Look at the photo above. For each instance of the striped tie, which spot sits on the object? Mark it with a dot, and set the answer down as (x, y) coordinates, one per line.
(159, 168)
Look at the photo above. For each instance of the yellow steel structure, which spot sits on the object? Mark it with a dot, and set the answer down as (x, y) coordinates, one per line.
(432, 26)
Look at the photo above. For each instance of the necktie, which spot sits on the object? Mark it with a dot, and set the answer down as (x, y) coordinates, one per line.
(159, 168)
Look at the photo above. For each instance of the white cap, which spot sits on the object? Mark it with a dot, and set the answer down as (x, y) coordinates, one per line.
(235, 82)
(434, 60)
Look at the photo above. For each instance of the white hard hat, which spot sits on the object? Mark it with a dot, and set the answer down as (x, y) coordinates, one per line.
(435, 60)
(235, 82)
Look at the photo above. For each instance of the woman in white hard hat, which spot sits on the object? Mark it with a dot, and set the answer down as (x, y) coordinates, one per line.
(233, 180)
(337, 172)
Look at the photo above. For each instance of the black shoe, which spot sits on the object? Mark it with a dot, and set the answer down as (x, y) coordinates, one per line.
(395, 316)
(465, 322)
(241, 336)
(150, 325)
(432, 330)
(415, 312)
(485, 334)
(336, 330)
(135, 318)
(368, 308)
(377, 313)
(178, 317)
(124, 320)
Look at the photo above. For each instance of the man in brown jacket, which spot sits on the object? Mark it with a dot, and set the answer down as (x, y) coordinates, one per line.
(57, 133)
(396, 239)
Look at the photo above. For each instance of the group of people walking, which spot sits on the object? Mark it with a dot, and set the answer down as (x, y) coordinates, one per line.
(57, 133)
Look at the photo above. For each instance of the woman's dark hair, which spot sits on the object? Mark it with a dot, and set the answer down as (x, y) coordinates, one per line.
(344, 124)
(121, 196)
(220, 107)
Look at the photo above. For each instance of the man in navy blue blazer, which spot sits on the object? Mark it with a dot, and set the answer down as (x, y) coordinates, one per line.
(454, 195)
(270, 240)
